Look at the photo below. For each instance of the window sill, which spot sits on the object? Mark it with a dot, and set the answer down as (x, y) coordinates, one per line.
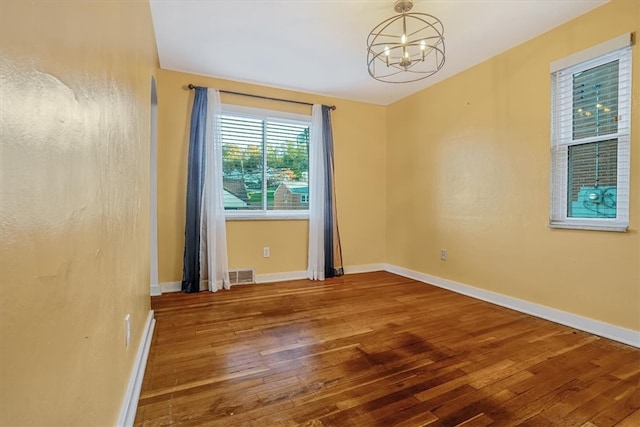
(620, 228)
(267, 216)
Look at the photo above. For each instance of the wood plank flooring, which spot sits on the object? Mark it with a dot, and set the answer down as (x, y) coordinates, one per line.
(376, 349)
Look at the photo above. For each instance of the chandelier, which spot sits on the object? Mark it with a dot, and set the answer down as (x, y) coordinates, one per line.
(406, 47)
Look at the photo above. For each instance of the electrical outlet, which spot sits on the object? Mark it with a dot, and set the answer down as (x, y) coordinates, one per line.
(266, 252)
(443, 254)
(127, 330)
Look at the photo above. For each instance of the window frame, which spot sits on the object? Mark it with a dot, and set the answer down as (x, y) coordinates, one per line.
(562, 73)
(265, 115)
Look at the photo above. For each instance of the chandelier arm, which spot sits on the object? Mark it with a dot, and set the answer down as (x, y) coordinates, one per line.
(392, 46)
(418, 42)
(438, 67)
(397, 65)
(391, 64)
(399, 45)
(386, 44)
(430, 47)
(399, 70)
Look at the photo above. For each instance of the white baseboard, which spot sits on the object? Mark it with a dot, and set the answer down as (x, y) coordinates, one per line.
(156, 290)
(281, 277)
(297, 275)
(260, 278)
(271, 277)
(170, 287)
(363, 268)
(130, 402)
(606, 330)
(177, 287)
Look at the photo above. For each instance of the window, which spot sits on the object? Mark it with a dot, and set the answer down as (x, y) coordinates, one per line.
(591, 112)
(265, 163)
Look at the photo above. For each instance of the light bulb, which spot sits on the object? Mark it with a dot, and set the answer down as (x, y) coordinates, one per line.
(403, 39)
(423, 45)
(386, 51)
(598, 105)
(579, 110)
(406, 54)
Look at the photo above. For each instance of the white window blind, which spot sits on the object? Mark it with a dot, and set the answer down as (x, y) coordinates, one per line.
(265, 163)
(591, 112)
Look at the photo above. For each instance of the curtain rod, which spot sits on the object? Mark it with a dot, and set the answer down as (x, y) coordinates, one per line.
(191, 86)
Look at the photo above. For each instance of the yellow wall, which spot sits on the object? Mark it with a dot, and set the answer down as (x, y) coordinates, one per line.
(74, 253)
(359, 139)
(468, 170)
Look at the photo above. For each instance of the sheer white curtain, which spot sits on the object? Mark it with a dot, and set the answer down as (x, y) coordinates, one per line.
(317, 173)
(216, 268)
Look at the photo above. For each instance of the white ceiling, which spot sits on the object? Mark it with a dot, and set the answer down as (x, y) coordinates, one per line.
(319, 46)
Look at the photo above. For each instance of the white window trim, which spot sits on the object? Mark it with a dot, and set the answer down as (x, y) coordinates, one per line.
(255, 215)
(561, 138)
(261, 215)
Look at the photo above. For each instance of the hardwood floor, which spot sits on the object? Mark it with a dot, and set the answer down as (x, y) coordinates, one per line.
(376, 349)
